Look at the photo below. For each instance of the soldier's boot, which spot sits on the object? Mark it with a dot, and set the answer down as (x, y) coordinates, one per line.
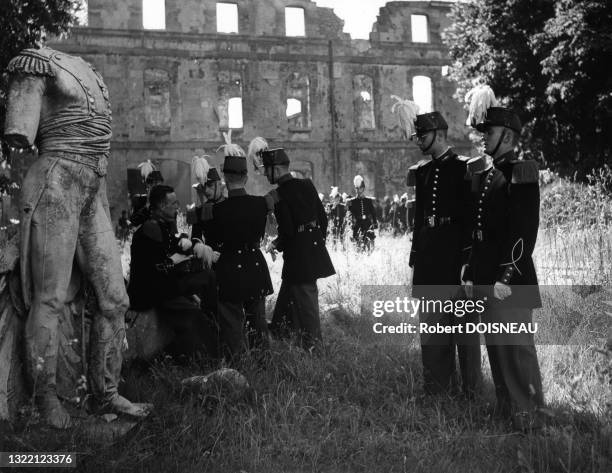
(107, 342)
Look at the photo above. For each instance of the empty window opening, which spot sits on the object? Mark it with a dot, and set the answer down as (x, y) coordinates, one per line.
(227, 18)
(81, 13)
(154, 14)
(298, 101)
(422, 93)
(234, 112)
(294, 108)
(420, 33)
(363, 102)
(294, 22)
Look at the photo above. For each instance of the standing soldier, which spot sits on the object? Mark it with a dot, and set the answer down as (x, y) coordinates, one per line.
(209, 190)
(140, 205)
(440, 246)
(363, 216)
(337, 215)
(302, 226)
(506, 219)
(238, 225)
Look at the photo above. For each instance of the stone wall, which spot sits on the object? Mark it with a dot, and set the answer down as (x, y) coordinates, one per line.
(170, 89)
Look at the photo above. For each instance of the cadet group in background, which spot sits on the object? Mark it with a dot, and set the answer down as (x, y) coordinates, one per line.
(472, 221)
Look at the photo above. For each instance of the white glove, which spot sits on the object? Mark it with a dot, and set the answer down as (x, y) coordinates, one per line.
(185, 244)
(501, 290)
(205, 253)
(178, 258)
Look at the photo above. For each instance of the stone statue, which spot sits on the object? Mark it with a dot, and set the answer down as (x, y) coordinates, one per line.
(60, 104)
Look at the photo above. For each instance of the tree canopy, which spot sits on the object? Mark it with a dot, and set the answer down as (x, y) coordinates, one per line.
(546, 59)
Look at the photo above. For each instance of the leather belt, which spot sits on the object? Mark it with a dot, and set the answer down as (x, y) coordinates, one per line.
(307, 226)
(241, 248)
(433, 221)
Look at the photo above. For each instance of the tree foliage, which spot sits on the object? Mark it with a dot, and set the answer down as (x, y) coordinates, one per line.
(547, 60)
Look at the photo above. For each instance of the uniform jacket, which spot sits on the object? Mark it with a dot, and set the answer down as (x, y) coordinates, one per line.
(202, 224)
(363, 213)
(153, 277)
(505, 210)
(302, 226)
(237, 227)
(441, 238)
(337, 216)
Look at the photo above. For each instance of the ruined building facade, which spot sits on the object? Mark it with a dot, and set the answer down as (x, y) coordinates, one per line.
(322, 96)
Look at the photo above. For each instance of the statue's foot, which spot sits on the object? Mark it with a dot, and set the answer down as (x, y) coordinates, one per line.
(120, 405)
(54, 413)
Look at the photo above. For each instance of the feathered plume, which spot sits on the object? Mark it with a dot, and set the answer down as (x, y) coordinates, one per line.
(200, 168)
(146, 168)
(256, 146)
(358, 181)
(407, 112)
(480, 99)
(334, 192)
(229, 148)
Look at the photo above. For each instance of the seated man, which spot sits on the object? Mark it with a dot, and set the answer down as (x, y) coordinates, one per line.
(167, 271)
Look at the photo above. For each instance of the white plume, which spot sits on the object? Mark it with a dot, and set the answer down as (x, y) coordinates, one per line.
(334, 192)
(256, 146)
(146, 168)
(407, 111)
(358, 181)
(200, 168)
(480, 99)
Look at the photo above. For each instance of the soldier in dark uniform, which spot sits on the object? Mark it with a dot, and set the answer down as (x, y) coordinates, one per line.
(166, 271)
(237, 226)
(140, 207)
(302, 226)
(337, 215)
(209, 193)
(440, 246)
(363, 216)
(505, 222)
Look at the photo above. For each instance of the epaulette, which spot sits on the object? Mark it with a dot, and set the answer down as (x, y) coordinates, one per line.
(463, 159)
(475, 166)
(152, 230)
(31, 61)
(412, 172)
(525, 172)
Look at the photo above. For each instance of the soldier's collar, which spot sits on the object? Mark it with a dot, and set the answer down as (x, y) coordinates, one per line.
(503, 159)
(444, 156)
(284, 178)
(236, 192)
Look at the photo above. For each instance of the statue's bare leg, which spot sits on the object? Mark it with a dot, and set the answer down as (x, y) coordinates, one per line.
(53, 241)
(99, 259)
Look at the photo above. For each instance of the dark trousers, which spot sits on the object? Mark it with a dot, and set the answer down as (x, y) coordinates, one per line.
(297, 311)
(233, 316)
(439, 359)
(195, 331)
(514, 365)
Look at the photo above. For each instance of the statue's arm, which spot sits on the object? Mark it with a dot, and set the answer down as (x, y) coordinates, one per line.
(23, 110)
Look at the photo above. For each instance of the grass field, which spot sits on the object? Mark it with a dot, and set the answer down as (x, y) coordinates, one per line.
(359, 407)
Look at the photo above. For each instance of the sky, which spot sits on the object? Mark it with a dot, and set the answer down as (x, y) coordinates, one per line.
(358, 15)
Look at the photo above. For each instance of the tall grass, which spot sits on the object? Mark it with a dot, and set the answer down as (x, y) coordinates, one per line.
(358, 406)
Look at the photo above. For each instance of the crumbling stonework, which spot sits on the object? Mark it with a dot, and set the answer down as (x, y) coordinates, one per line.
(170, 89)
